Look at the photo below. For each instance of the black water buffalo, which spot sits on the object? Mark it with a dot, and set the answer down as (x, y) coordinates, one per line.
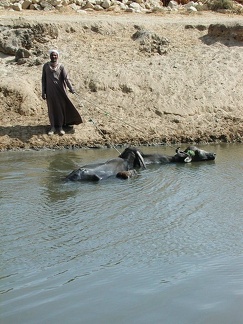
(197, 154)
(122, 167)
(191, 154)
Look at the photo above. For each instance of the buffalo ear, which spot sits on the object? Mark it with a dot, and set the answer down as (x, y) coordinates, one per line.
(188, 159)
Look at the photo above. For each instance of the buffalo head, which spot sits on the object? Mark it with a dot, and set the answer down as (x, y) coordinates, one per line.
(193, 154)
(198, 154)
(133, 158)
(182, 156)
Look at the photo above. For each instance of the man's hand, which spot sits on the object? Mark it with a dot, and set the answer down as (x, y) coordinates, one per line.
(43, 96)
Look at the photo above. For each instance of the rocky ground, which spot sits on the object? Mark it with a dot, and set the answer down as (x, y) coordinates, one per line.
(139, 78)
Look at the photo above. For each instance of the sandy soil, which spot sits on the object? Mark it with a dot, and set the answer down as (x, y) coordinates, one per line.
(130, 90)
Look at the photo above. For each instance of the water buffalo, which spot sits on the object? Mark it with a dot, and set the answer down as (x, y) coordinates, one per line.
(191, 154)
(197, 154)
(121, 167)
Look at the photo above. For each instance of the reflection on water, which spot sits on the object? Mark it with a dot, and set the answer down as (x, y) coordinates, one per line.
(121, 251)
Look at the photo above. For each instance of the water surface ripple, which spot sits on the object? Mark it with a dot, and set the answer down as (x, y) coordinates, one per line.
(121, 251)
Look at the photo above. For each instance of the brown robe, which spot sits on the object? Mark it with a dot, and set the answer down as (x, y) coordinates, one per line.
(61, 111)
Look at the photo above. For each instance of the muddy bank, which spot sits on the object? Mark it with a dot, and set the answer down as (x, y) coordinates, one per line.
(140, 79)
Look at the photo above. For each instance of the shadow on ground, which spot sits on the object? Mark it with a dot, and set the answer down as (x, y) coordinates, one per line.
(25, 133)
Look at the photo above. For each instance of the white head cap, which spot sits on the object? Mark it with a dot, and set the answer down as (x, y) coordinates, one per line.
(53, 51)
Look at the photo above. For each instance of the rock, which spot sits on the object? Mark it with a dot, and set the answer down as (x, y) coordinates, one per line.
(26, 36)
(55, 3)
(173, 4)
(106, 4)
(226, 31)
(189, 4)
(26, 4)
(16, 6)
(135, 6)
(191, 9)
(21, 61)
(88, 5)
(98, 8)
(21, 54)
(46, 6)
(35, 6)
(151, 42)
(111, 5)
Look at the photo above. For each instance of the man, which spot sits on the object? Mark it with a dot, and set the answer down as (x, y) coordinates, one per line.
(55, 80)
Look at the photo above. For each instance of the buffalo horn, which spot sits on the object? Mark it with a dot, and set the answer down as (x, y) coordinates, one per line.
(141, 160)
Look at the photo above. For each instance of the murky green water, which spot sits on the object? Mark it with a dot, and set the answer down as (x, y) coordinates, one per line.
(165, 247)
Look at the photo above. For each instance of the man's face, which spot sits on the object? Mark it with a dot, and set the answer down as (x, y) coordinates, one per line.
(53, 57)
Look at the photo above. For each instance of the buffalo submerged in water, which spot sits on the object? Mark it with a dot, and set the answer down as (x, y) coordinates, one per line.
(122, 167)
(131, 159)
(191, 154)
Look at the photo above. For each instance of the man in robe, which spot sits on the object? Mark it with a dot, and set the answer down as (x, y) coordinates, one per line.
(55, 82)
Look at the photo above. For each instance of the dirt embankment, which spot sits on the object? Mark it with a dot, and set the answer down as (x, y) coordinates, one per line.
(139, 79)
